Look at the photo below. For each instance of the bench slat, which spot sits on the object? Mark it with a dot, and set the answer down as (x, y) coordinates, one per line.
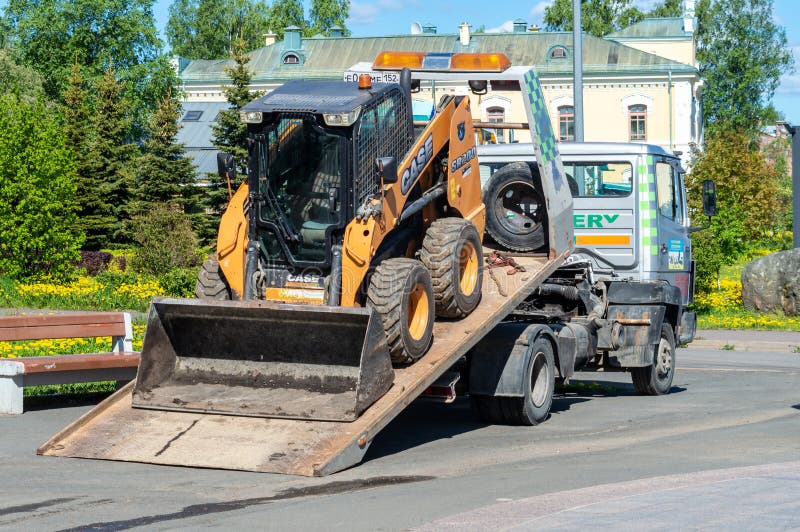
(81, 362)
(84, 325)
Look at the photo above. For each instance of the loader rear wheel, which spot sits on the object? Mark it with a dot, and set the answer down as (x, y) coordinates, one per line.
(211, 284)
(515, 209)
(453, 254)
(400, 290)
(656, 379)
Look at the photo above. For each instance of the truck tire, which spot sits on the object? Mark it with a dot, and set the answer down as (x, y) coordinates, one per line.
(453, 254)
(515, 209)
(656, 379)
(400, 291)
(211, 284)
(534, 407)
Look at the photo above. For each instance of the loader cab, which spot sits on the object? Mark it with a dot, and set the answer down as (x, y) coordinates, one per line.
(313, 146)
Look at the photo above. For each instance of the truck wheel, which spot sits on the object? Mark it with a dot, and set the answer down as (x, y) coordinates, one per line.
(656, 379)
(400, 290)
(515, 209)
(211, 284)
(453, 254)
(534, 407)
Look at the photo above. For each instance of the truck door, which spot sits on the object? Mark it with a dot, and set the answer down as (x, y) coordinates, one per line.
(674, 247)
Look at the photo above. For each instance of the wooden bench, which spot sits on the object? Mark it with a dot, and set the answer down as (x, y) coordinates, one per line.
(119, 364)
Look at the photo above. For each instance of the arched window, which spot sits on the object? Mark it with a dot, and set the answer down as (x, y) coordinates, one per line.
(497, 115)
(291, 59)
(558, 52)
(638, 119)
(566, 123)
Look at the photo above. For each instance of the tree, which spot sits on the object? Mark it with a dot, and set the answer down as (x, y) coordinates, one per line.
(165, 238)
(37, 193)
(748, 201)
(17, 79)
(207, 29)
(285, 13)
(742, 53)
(51, 35)
(165, 174)
(670, 8)
(325, 14)
(109, 159)
(598, 17)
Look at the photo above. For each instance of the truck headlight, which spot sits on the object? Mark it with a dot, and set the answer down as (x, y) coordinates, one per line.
(251, 117)
(342, 119)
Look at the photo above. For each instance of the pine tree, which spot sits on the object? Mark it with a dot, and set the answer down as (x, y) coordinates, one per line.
(229, 135)
(165, 174)
(109, 161)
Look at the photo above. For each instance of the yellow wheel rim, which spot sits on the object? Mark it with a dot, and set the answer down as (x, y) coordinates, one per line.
(418, 312)
(468, 269)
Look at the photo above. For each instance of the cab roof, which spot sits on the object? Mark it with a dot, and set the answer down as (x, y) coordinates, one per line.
(317, 97)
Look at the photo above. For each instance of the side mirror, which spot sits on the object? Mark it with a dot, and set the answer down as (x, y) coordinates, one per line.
(709, 198)
(226, 166)
(386, 170)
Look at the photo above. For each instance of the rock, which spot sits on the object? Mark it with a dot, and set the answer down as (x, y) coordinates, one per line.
(773, 283)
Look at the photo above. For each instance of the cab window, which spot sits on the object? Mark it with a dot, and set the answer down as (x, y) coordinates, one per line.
(670, 203)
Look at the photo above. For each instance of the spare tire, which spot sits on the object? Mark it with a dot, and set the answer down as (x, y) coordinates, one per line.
(515, 209)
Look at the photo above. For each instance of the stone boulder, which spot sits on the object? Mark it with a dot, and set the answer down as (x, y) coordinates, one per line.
(773, 283)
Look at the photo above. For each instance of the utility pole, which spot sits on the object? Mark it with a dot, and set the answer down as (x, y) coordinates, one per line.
(795, 132)
(577, 67)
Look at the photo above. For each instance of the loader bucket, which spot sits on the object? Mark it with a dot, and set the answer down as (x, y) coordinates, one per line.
(262, 359)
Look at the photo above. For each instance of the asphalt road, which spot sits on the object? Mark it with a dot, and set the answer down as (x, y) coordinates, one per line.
(721, 451)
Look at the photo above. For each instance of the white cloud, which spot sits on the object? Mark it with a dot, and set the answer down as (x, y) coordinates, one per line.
(368, 12)
(537, 12)
(505, 27)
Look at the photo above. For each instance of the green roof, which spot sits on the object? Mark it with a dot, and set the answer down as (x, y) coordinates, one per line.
(653, 28)
(328, 58)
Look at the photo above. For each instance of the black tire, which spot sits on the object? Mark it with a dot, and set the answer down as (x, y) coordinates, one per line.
(515, 209)
(534, 407)
(400, 290)
(656, 379)
(211, 284)
(453, 254)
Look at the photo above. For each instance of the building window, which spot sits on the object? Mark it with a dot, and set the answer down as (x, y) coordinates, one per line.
(566, 123)
(497, 115)
(192, 116)
(291, 59)
(638, 118)
(557, 52)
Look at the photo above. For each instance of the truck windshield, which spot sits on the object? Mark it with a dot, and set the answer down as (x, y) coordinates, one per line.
(300, 166)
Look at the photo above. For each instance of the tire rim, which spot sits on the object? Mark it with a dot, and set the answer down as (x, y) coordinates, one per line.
(518, 208)
(540, 380)
(418, 312)
(468, 269)
(663, 359)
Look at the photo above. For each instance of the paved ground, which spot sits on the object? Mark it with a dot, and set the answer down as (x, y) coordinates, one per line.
(722, 451)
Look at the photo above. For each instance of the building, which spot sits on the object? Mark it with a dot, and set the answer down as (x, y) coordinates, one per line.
(640, 84)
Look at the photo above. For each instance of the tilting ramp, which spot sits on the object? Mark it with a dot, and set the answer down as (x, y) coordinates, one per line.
(116, 431)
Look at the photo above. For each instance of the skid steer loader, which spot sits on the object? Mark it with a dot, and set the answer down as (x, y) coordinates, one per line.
(349, 236)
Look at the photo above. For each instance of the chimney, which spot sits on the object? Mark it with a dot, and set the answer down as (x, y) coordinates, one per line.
(534, 29)
(337, 32)
(270, 38)
(429, 28)
(292, 38)
(520, 26)
(688, 16)
(463, 33)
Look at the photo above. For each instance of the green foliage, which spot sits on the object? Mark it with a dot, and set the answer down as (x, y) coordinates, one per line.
(17, 79)
(166, 240)
(207, 29)
(325, 14)
(165, 174)
(37, 193)
(598, 17)
(285, 13)
(748, 203)
(179, 282)
(742, 53)
(108, 166)
(52, 35)
(670, 8)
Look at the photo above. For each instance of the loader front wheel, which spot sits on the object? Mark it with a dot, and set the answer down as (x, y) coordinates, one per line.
(453, 255)
(400, 291)
(211, 284)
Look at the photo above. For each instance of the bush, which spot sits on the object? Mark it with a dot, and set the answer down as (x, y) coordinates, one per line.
(165, 239)
(95, 262)
(179, 282)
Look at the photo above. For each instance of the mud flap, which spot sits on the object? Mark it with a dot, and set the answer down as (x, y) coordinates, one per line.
(262, 359)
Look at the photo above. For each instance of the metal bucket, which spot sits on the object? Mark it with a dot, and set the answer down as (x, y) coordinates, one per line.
(262, 359)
